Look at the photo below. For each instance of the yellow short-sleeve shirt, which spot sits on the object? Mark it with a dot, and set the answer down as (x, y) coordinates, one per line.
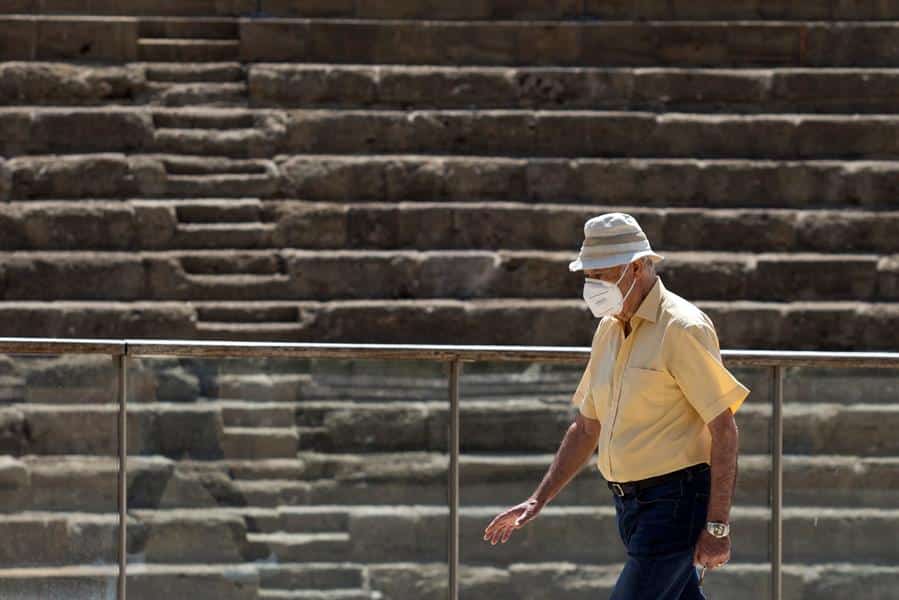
(655, 390)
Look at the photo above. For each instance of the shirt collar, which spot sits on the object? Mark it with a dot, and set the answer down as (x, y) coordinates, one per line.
(649, 308)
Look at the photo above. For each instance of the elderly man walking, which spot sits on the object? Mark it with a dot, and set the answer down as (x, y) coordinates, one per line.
(660, 404)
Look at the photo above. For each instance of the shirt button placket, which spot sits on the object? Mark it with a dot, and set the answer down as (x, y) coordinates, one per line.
(624, 354)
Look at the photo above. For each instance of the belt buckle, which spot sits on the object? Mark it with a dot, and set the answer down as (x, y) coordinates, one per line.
(617, 489)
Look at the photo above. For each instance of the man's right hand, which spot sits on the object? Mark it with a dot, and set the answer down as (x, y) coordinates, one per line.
(502, 526)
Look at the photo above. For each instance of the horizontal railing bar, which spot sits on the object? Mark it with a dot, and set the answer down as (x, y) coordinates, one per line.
(10, 345)
(433, 352)
(573, 354)
(803, 358)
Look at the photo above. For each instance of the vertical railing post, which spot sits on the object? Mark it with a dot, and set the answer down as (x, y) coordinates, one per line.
(777, 449)
(122, 381)
(453, 484)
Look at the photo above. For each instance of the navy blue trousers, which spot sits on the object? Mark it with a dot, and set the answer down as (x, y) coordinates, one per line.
(659, 527)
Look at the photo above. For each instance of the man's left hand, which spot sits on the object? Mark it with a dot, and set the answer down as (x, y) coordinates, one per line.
(711, 552)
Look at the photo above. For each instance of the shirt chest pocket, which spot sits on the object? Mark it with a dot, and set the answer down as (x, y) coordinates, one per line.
(654, 389)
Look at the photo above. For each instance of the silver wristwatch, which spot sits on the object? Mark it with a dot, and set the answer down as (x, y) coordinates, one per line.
(718, 530)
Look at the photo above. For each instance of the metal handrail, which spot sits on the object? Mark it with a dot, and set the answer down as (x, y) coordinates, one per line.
(455, 355)
(433, 352)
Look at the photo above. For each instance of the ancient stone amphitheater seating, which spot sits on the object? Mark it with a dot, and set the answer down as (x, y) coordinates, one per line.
(404, 172)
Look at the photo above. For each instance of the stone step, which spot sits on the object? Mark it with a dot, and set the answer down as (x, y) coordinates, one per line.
(194, 28)
(58, 539)
(482, 10)
(75, 38)
(218, 211)
(68, 84)
(272, 275)
(297, 547)
(204, 119)
(232, 143)
(187, 50)
(336, 594)
(232, 264)
(522, 226)
(580, 43)
(273, 493)
(426, 226)
(246, 286)
(564, 580)
(74, 483)
(531, 425)
(205, 165)
(489, 10)
(554, 383)
(822, 326)
(231, 313)
(197, 94)
(870, 531)
(73, 130)
(591, 133)
(661, 183)
(186, 186)
(255, 442)
(670, 184)
(565, 534)
(660, 89)
(218, 235)
(302, 519)
(142, 8)
(387, 478)
(830, 326)
(760, 277)
(167, 429)
(195, 72)
(320, 576)
(278, 331)
(269, 385)
(535, 579)
(377, 534)
(272, 468)
(87, 483)
(224, 582)
(271, 415)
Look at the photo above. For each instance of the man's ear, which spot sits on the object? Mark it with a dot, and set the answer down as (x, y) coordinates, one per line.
(639, 267)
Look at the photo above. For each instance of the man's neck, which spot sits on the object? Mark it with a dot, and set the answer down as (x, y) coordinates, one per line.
(625, 317)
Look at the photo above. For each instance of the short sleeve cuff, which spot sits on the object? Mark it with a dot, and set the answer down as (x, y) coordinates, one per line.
(732, 400)
(586, 409)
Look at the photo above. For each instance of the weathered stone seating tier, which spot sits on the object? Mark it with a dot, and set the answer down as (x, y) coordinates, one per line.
(389, 274)
(145, 582)
(335, 581)
(481, 9)
(837, 325)
(527, 425)
(701, 90)
(582, 43)
(278, 86)
(418, 533)
(756, 184)
(489, 132)
(168, 429)
(50, 37)
(425, 226)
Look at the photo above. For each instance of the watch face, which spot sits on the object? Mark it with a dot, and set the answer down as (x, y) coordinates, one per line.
(717, 529)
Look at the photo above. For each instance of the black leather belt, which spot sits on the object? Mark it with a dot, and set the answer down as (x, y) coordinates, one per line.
(634, 487)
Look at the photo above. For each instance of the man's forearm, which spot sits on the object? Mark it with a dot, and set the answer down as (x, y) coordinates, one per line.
(575, 449)
(724, 474)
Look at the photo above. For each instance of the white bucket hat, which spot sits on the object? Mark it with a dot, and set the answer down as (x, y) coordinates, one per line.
(612, 239)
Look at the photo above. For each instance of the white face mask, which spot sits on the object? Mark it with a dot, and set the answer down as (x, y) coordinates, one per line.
(605, 298)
